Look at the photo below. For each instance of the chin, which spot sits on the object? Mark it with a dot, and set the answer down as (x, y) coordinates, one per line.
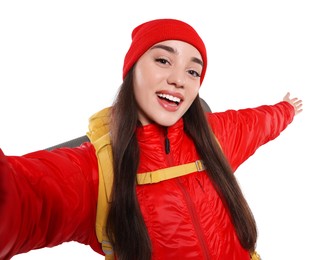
(166, 121)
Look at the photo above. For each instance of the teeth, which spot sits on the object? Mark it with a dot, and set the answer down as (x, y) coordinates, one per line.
(169, 97)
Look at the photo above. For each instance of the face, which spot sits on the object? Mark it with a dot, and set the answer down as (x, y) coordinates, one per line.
(166, 81)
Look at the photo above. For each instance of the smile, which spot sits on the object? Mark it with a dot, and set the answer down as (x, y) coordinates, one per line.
(170, 98)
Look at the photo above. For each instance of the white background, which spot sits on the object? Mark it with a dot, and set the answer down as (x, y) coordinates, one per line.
(61, 61)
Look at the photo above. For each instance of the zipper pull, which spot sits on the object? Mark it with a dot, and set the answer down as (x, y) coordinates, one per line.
(167, 142)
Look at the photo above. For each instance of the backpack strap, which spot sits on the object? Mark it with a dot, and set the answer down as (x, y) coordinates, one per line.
(105, 159)
(255, 256)
(169, 173)
(100, 137)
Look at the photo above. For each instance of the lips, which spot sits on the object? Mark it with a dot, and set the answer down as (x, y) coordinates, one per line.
(170, 101)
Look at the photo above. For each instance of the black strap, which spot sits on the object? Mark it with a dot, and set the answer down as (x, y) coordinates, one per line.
(71, 143)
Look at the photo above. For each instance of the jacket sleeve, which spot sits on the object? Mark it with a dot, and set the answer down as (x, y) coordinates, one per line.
(241, 132)
(47, 198)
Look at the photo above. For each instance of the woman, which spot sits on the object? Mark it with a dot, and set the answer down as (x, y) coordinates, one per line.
(155, 126)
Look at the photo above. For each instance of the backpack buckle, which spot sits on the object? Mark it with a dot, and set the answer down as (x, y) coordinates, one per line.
(200, 165)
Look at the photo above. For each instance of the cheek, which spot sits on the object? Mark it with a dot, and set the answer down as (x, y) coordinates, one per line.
(147, 73)
(137, 76)
(139, 81)
(194, 92)
(140, 87)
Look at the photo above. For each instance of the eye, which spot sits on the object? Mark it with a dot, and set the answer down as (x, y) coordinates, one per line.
(162, 60)
(194, 73)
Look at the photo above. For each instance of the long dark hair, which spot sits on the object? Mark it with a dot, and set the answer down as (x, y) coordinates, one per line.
(125, 225)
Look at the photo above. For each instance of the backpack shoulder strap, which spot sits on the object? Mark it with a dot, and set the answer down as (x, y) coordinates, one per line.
(100, 137)
(105, 159)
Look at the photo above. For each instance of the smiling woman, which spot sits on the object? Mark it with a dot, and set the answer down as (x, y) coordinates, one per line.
(155, 179)
(173, 62)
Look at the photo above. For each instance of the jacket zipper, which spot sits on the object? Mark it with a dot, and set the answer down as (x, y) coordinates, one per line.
(190, 205)
(167, 149)
(166, 142)
(195, 220)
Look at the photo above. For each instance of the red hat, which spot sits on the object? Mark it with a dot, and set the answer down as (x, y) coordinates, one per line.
(149, 33)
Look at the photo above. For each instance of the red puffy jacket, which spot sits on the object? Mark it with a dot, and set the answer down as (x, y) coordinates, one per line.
(47, 198)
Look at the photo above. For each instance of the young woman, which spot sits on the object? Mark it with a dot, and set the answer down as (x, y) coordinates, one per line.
(170, 167)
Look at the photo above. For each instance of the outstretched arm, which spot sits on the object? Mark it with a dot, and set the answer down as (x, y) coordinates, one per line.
(47, 198)
(242, 132)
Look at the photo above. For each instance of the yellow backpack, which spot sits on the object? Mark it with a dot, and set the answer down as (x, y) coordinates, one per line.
(100, 137)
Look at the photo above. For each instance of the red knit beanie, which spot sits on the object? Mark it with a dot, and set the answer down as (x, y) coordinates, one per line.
(149, 33)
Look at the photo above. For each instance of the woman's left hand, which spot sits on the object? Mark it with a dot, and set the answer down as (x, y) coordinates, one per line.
(295, 102)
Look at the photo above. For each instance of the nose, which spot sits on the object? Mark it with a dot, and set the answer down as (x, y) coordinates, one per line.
(177, 77)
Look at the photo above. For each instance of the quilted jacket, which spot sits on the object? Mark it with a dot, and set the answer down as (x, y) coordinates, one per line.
(50, 197)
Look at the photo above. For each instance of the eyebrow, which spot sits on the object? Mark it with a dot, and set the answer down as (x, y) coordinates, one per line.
(172, 50)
